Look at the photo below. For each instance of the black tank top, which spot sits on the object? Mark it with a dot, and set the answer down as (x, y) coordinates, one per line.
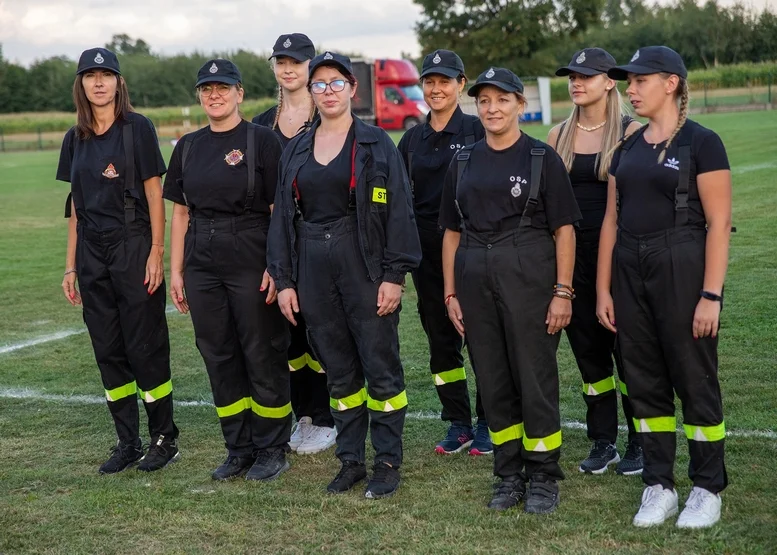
(590, 192)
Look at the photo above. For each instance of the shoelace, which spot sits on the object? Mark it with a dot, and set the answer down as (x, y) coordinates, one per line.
(459, 434)
(263, 457)
(633, 451)
(345, 469)
(598, 450)
(695, 500)
(381, 472)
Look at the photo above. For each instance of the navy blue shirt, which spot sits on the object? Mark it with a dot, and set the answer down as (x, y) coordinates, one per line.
(95, 169)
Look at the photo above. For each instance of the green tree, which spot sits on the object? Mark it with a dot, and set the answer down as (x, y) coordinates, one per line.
(124, 44)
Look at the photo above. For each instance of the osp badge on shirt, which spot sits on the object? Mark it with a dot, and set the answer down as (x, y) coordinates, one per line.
(110, 172)
(234, 157)
(517, 181)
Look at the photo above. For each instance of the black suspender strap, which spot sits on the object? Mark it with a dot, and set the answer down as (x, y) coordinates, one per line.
(187, 145)
(129, 173)
(462, 158)
(683, 181)
(251, 163)
(537, 156)
(624, 149)
(415, 136)
(469, 132)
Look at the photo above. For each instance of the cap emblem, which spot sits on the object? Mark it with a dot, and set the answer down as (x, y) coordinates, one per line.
(213, 68)
(437, 58)
(328, 56)
(635, 57)
(490, 73)
(581, 58)
(99, 58)
(287, 43)
(234, 158)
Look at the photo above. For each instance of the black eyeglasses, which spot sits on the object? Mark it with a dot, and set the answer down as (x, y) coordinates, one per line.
(319, 87)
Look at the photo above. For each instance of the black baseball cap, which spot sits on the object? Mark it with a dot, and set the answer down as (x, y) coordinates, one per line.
(219, 71)
(589, 61)
(498, 77)
(651, 59)
(333, 59)
(295, 45)
(442, 62)
(98, 58)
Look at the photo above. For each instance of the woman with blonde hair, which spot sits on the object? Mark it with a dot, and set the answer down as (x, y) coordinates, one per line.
(585, 141)
(294, 114)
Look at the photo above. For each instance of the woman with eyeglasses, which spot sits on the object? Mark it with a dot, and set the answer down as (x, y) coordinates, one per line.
(115, 248)
(342, 238)
(294, 113)
(222, 183)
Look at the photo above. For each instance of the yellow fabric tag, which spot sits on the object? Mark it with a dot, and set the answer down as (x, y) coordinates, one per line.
(379, 195)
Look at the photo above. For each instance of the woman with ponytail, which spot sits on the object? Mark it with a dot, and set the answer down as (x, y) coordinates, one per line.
(663, 256)
(294, 113)
(585, 141)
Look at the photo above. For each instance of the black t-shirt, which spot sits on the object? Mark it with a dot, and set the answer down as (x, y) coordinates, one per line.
(324, 191)
(432, 156)
(215, 179)
(590, 192)
(492, 192)
(95, 169)
(646, 188)
(267, 118)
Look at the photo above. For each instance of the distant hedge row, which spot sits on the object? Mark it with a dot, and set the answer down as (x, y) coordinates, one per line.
(722, 77)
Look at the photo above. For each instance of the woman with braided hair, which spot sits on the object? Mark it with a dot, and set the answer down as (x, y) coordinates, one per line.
(663, 256)
(294, 113)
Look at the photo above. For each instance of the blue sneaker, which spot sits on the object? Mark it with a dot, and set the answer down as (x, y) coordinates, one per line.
(482, 444)
(458, 439)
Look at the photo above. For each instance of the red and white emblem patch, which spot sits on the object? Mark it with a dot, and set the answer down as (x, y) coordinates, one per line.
(110, 172)
(234, 158)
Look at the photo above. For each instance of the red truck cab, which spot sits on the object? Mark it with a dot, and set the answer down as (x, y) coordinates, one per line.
(389, 94)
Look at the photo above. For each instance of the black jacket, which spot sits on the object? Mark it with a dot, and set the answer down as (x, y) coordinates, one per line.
(388, 237)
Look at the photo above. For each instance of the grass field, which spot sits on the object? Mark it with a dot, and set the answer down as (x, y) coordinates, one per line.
(55, 431)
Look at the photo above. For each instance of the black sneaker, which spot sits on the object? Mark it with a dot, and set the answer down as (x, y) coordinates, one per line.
(122, 456)
(161, 453)
(631, 463)
(351, 473)
(233, 467)
(384, 482)
(507, 493)
(269, 464)
(543, 496)
(602, 454)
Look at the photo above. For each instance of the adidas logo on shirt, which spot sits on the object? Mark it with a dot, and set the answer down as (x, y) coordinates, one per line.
(672, 163)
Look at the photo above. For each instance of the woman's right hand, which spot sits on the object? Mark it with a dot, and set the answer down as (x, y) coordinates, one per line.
(289, 305)
(605, 311)
(455, 315)
(177, 292)
(69, 287)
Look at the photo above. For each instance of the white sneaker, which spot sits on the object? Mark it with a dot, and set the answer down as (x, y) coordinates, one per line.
(301, 431)
(702, 509)
(658, 504)
(319, 439)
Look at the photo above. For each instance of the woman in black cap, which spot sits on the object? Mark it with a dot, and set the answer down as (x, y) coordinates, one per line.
(294, 113)
(505, 200)
(342, 239)
(664, 249)
(586, 141)
(427, 151)
(115, 248)
(222, 181)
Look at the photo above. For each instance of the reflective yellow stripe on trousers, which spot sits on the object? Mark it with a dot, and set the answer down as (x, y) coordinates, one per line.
(119, 393)
(350, 402)
(705, 433)
(395, 403)
(542, 444)
(656, 424)
(451, 376)
(602, 386)
(158, 392)
(508, 434)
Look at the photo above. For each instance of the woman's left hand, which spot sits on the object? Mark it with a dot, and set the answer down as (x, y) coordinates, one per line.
(706, 319)
(155, 269)
(389, 296)
(268, 283)
(559, 314)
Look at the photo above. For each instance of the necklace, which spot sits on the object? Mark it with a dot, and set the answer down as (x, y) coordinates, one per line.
(594, 128)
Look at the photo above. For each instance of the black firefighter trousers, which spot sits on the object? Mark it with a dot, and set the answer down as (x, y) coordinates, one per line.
(445, 344)
(241, 338)
(504, 284)
(128, 328)
(656, 284)
(339, 303)
(594, 347)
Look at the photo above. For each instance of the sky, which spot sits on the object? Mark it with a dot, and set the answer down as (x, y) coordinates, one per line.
(38, 29)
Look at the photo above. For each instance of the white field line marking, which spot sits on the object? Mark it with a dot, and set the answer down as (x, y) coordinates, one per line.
(33, 395)
(738, 170)
(55, 337)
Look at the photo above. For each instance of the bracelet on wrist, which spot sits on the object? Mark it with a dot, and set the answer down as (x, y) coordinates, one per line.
(561, 294)
(449, 297)
(710, 296)
(73, 271)
(562, 286)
